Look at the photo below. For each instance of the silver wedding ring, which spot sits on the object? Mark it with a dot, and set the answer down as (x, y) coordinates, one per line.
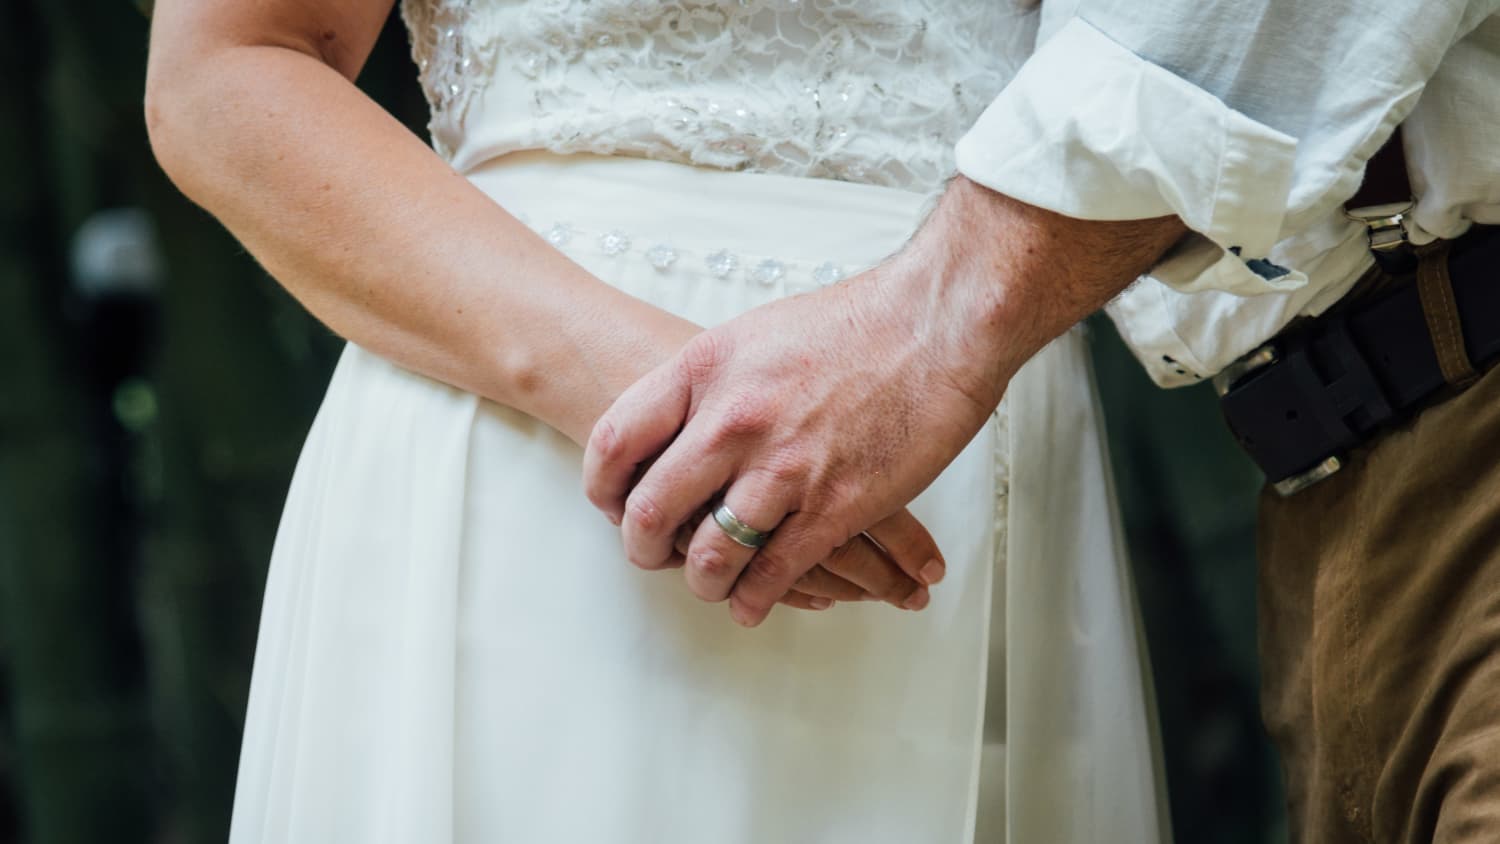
(738, 530)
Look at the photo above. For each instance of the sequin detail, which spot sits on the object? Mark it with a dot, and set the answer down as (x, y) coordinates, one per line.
(768, 272)
(614, 243)
(661, 256)
(722, 263)
(828, 273)
(792, 276)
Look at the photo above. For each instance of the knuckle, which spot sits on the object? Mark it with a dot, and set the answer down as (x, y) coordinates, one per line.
(744, 418)
(785, 472)
(839, 490)
(711, 564)
(643, 514)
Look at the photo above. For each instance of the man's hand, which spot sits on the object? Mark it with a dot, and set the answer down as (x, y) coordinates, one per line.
(818, 417)
(815, 417)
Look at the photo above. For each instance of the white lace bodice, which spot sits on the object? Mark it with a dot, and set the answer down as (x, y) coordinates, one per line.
(874, 91)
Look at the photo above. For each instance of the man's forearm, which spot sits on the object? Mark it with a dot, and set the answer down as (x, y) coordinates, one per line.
(1013, 276)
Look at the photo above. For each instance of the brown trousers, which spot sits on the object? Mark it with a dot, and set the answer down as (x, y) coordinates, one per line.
(1380, 632)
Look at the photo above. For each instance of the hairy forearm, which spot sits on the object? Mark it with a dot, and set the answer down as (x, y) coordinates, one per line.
(386, 244)
(1018, 276)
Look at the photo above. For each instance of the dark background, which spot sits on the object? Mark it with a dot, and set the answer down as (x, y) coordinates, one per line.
(155, 386)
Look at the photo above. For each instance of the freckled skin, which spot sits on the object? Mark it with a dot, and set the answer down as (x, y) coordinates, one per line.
(866, 389)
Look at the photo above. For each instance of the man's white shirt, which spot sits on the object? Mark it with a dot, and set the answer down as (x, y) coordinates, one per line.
(1251, 121)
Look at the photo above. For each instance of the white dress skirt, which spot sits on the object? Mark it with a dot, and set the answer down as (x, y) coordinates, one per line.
(454, 649)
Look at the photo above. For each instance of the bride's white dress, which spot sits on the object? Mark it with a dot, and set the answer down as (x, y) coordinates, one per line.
(453, 647)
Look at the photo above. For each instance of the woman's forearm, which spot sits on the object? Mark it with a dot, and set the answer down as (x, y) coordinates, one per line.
(388, 245)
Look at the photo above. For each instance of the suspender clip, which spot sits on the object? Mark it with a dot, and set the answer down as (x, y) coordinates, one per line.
(1387, 234)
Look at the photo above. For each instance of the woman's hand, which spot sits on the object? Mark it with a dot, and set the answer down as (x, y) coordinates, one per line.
(891, 562)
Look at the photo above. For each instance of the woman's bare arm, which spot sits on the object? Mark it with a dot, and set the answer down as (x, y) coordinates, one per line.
(252, 112)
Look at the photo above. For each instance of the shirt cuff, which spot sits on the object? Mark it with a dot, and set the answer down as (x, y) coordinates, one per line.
(1092, 131)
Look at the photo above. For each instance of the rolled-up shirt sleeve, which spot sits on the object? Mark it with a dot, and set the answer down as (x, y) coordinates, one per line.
(1091, 130)
(1251, 120)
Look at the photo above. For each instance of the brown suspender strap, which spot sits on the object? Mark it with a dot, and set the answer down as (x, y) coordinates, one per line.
(1439, 308)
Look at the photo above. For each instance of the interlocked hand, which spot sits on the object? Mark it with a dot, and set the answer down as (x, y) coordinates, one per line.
(815, 419)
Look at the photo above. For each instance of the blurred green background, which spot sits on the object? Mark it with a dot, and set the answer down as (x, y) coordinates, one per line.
(155, 386)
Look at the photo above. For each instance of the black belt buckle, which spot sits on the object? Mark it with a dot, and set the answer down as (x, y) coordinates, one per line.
(1297, 404)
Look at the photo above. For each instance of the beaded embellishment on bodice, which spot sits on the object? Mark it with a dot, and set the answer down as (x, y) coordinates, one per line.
(874, 91)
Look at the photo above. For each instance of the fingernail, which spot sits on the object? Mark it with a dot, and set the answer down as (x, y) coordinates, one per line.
(933, 572)
(613, 519)
(917, 600)
(820, 603)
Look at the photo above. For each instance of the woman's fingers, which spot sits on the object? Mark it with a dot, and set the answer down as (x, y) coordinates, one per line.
(861, 562)
(818, 583)
(825, 584)
(910, 546)
(819, 589)
(894, 561)
(803, 601)
(800, 541)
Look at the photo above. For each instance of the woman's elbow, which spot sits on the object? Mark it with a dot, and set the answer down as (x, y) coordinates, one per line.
(170, 122)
